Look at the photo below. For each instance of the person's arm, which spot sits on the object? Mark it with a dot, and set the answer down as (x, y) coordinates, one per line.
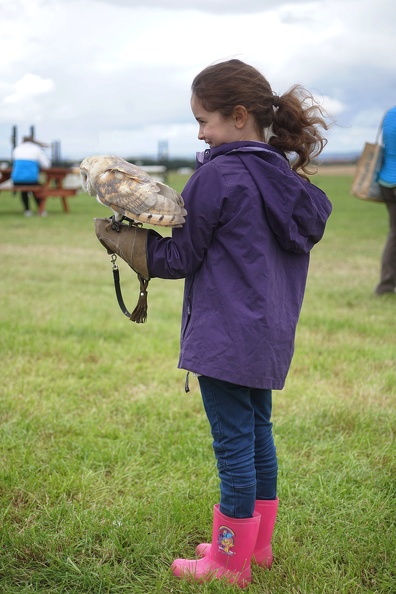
(44, 160)
(182, 254)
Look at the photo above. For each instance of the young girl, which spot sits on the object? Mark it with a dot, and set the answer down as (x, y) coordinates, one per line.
(244, 252)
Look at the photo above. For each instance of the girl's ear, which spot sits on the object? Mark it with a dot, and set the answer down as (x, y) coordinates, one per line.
(240, 116)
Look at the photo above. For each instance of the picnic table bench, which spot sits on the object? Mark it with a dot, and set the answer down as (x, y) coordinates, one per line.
(58, 182)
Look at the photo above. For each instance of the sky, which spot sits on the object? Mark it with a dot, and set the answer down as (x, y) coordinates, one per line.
(114, 76)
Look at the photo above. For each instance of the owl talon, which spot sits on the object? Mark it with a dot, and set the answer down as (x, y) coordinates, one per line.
(132, 222)
(116, 225)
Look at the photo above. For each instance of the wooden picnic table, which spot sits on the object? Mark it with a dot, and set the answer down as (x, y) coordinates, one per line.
(52, 184)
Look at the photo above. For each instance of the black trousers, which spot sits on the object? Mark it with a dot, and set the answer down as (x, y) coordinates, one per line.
(387, 282)
(25, 195)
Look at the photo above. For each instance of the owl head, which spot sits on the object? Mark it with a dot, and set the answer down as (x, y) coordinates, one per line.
(92, 170)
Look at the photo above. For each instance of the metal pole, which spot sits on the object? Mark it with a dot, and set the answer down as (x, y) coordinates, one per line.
(13, 139)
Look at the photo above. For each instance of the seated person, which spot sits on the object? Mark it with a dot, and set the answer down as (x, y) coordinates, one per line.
(28, 158)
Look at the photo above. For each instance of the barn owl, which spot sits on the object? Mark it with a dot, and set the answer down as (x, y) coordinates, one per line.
(130, 192)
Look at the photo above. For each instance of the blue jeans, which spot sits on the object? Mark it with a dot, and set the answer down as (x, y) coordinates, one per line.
(243, 444)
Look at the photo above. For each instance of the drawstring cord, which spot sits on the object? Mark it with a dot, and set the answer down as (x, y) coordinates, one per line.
(187, 383)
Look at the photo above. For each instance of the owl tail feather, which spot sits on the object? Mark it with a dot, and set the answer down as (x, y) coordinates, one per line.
(139, 314)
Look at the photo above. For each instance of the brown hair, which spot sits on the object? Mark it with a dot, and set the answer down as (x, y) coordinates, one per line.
(294, 118)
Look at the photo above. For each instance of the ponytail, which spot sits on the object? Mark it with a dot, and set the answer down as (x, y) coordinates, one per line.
(296, 125)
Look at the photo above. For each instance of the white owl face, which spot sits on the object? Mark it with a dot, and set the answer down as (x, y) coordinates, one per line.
(92, 170)
(87, 172)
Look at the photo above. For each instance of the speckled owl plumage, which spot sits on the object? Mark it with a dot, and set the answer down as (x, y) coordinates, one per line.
(130, 192)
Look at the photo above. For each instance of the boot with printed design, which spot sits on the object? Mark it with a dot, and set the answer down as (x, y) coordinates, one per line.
(262, 555)
(229, 555)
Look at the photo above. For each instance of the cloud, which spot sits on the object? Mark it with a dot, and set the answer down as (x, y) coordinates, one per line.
(28, 86)
(221, 7)
(115, 76)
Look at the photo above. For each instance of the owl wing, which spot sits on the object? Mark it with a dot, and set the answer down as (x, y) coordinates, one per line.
(131, 192)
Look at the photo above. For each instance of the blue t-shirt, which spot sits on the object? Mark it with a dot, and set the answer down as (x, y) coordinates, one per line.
(25, 172)
(387, 174)
(28, 158)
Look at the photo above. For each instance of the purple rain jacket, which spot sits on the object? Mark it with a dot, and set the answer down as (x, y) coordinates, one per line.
(244, 253)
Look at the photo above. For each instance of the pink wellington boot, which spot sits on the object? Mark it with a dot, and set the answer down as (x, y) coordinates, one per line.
(262, 555)
(229, 555)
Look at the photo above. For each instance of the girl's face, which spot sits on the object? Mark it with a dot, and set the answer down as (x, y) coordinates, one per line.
(214, 128)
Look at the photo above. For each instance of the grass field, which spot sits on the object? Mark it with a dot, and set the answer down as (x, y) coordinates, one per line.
(106, 467)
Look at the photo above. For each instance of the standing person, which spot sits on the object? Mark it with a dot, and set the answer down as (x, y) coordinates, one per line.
(244, 253)
(387, 183)
(28, 157)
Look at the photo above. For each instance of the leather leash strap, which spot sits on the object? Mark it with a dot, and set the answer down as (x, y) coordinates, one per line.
(139, 314)
(117, 286)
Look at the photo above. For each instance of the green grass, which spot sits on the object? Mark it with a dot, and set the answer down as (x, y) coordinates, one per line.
(106, 467)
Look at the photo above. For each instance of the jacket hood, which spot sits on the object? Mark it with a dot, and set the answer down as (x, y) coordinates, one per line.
(296, 209)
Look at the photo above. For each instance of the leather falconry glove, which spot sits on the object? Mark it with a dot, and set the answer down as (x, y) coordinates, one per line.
(129, 242)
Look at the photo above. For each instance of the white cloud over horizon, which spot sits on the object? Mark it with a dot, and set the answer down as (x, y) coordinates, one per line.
(114, 76)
